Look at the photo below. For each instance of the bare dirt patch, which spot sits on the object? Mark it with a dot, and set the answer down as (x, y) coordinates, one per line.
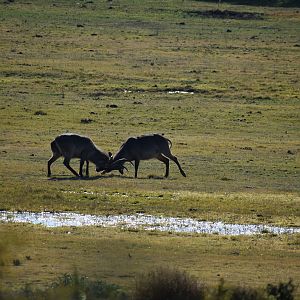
(226, 14)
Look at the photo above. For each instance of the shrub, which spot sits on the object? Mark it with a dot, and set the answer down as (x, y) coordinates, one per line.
(282, 291)
(168, 284)
(225, 292)
(245, 293)
(17, 262)
(73, 287)
(220, 292)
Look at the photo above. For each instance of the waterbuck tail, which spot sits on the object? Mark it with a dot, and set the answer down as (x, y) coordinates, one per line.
(55, 148)
(169, 142)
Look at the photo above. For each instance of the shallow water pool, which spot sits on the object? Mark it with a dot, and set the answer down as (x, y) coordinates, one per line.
(141, 222)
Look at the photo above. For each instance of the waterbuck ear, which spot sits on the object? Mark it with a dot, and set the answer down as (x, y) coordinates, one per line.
(110, 157)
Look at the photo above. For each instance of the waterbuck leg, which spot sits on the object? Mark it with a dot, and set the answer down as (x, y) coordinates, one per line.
(67, 164)
(174, 158)
(54, 157)
(81, 167)
(166, 162)
(87, 168)
(136, 166)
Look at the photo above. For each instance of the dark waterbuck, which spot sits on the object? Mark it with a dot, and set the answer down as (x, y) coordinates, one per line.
(146, 147)
(76, 146)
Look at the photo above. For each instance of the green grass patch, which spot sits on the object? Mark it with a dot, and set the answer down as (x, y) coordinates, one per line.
(124, 66)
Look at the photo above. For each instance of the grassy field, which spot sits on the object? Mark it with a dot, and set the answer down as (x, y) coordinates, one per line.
(120, 256)
(114, 69)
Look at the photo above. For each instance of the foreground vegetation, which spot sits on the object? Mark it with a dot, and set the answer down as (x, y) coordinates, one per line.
(160, 284)
(35, 256)
(129, 265)
(223, 87)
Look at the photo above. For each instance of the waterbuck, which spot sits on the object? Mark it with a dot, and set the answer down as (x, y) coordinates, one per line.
(76, 146)
(146, 147)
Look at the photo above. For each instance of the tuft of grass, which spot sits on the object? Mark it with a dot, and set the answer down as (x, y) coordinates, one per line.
(166, 283)
(74, 286)
(17, 262)
(282, 291)
(246, 293)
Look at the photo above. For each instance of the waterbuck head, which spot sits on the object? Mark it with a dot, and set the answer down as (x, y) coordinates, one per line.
(110, 165)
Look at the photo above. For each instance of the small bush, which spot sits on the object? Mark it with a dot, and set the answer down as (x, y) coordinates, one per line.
(282, 291)
(220, 292)
(74, 287)
(225, 292)
(17, 262)
(168, 284)
(245, 293)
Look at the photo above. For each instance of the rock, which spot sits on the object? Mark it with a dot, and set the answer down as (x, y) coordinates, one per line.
(112, 106)
(40, 113)
(86, 121)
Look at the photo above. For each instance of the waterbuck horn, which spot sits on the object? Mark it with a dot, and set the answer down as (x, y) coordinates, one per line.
(118, 164)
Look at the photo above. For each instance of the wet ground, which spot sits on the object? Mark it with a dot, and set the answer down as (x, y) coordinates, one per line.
(141, 222)
(226, 14)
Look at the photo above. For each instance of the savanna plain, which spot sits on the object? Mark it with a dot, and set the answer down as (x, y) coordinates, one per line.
(224, 88)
